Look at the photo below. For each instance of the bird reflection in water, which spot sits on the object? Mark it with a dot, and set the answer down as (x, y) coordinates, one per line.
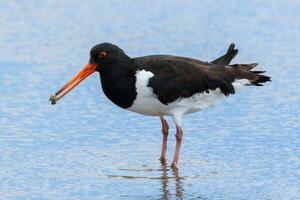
(165, 180)
(167, 188)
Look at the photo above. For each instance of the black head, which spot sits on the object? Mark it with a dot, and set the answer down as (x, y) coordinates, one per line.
(106, 54)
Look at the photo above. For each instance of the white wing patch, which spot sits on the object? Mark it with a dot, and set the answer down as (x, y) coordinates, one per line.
(146, 101)
(142, 80)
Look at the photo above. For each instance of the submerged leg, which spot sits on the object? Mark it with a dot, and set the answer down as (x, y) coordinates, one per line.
(165, 131)
(178, 136)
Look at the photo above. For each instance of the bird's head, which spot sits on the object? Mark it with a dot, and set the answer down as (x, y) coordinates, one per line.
(102, 56)
(107, 55)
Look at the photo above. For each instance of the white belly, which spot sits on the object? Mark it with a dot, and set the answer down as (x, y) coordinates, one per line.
(147, 103)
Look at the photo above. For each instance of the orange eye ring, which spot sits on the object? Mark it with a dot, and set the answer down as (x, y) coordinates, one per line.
(103, 55)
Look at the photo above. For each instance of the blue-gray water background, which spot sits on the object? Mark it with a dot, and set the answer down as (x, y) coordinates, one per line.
(247, 147)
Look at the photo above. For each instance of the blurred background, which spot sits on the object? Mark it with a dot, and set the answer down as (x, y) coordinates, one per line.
(247, 147)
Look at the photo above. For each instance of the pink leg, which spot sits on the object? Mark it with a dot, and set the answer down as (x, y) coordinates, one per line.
(165, 131)
(179, 134)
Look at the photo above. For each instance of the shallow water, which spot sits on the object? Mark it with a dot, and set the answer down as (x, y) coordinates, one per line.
(247, 147)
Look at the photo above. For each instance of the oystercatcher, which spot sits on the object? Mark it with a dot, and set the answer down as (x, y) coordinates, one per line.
(165, 85)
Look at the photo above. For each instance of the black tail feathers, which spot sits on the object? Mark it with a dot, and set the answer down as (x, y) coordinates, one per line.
(260, 78)
(243, 71)
(226, 58)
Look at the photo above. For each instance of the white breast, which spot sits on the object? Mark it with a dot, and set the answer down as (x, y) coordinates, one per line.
(147, 103)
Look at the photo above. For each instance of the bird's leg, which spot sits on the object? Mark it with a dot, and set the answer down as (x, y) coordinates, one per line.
(178, 136)
(165, 131)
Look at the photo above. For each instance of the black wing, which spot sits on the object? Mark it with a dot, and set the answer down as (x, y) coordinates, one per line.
(179, 77)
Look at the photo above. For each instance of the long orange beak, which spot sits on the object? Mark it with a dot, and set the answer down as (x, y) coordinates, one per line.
(85, 72)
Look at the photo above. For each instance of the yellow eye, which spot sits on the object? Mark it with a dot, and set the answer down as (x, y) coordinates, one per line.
(103, 55)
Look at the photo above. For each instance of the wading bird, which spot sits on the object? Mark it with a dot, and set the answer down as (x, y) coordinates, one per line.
(164, 85)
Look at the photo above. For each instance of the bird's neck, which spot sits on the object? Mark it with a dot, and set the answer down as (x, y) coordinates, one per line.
(118, 84)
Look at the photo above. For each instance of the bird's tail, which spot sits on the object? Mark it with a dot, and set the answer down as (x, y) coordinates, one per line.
(226, 58)
(244, 71)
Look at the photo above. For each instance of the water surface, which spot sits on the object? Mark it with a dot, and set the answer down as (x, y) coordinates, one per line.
(84, 147)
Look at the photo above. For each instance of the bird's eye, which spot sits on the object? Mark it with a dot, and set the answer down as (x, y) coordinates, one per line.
(103, 55)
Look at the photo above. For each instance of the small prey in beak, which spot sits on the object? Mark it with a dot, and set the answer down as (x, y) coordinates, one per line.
(53, 99)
